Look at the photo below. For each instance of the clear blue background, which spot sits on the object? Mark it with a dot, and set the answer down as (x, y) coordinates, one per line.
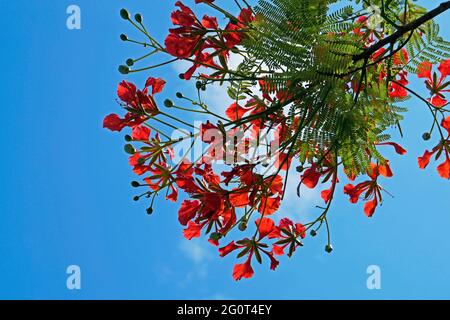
(65, 196)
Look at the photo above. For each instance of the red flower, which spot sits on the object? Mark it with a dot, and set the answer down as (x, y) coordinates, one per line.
(235, 38)
(127, 92)
(398, 148)
(371, 188)
(201, 60)
(188, 211)
(444, 168)
(228, 248)
(436, 86)
(442, 147)
(425, 159)
(193, 230)
(140, 133)
(113, 122)
(269, 206)
(180, 47)
(183, 41)
(326, 195)
(140, 99)
(252, 248)
(311, 176)
(288, 233)
(235, 111)
(396, 89)
(239, 199)
(243, 270)
(156, 84)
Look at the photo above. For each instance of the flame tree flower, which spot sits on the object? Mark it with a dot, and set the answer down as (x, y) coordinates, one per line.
(316, 97)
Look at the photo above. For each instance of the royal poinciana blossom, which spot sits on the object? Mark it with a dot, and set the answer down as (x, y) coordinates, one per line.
(315, 97)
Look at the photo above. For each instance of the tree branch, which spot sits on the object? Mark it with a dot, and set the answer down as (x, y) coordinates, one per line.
(402, 31)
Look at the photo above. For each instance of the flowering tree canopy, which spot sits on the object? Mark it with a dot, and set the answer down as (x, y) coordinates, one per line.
(317, 91)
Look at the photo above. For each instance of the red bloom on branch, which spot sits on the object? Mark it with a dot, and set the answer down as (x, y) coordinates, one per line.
(436, 86)
(443, 147)
(252, 248)
(397, 89)
(288, 234)
(370, 188)
(234, 34)
(139, 104)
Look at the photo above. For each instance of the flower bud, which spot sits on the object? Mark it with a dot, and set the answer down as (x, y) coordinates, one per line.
(198, 85)
(181, 76)
(123, 37)
(135, 184)
(124, 14)
(426, 136)
(128, 138)
(149, 211)
(179, 95)
(168, 103)
(300, 168)
(328, 248)
(313, 233)
(138, 17)
(124, 69)
(130, 62)
(242, 226)
(136, 198)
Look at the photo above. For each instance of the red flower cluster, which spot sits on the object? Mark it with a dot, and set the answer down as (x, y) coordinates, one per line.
(191, 38)
(140, 104)
(436, 86)
(442, 148)
(217, 203)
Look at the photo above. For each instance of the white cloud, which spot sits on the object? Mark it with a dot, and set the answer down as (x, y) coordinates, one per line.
(196, 251)
(301, 208)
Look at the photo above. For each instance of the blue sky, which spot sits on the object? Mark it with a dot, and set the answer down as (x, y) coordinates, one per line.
(65, 196)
